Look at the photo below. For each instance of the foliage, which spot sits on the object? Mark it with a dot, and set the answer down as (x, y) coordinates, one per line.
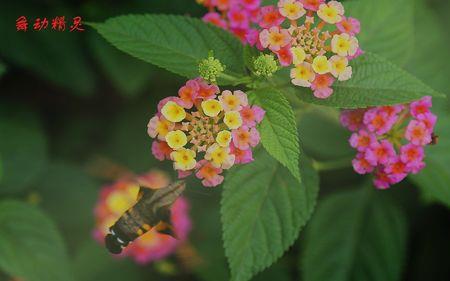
(173, 42)
(375, 81)
(368, 241)
(278, 131)
(263, 210)
(69, 100)
(393, 43)
(24, 151)
(30, 244)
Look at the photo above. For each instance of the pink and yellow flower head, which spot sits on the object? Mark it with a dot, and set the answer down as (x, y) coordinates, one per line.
(390, 140)
(204, 131)
(240, 17)
(274, 38)
(115, 199)
(312, 5)
(319, 41)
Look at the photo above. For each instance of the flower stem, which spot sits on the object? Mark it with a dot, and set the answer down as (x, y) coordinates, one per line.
(332, 165)
(234, 80)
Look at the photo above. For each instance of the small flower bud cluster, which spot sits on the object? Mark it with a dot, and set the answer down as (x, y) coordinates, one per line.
(210, 68)
(115, 199)
(203, 133)
(390, 140)
(265, 65)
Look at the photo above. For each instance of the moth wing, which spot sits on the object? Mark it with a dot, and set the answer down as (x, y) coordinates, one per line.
(167, 229)
(165, 226)
(145, 191)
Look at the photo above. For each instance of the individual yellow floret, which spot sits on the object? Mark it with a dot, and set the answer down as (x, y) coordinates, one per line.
(232, 119)
(176, 139)
(211, 107)
(173, 112)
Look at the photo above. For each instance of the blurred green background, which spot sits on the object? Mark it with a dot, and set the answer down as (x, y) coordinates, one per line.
(70, 101)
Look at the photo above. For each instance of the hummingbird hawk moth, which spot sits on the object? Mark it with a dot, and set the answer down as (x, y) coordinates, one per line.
(152, 210)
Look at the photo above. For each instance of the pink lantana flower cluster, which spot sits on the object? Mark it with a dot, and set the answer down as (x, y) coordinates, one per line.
(390, 140)
(205, 131)
(238, 16)
(319, 42)
(115, 199)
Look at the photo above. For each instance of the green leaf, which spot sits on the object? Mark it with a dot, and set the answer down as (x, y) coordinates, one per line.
(206, 236)
(278, 129)
(93, 262)
(30, 245)
(23, 148)
(277, 271)
(263, 209)
(250, 54)
(323, 137)
(128, 75)
(434, 180)
(386, 27)
(434, 69)
(69, 195)
(175, 43)
(375, 82)
(355, 235)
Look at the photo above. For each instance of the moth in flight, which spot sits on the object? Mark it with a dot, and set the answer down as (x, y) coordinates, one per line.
(152, 210)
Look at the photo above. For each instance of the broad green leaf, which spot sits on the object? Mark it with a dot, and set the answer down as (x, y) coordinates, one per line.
(56, 56)
(387, 27)
(30, 245)
(434, 182)
(323, 137)
(434, 179)
(93, 262)
(250, 54)
(23, 148)
(206, 235)
(355, 235)
(277, 271)
(128, 75)
(263, 210)
(278, 129)
(432, 68)
(69, 195)
(375, 82)
(175, 43)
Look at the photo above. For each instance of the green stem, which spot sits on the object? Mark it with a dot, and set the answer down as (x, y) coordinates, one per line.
(332, 165)
(235, 81)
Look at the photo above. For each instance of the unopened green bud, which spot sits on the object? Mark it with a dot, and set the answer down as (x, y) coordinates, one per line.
(210, 68)
(265, 65)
